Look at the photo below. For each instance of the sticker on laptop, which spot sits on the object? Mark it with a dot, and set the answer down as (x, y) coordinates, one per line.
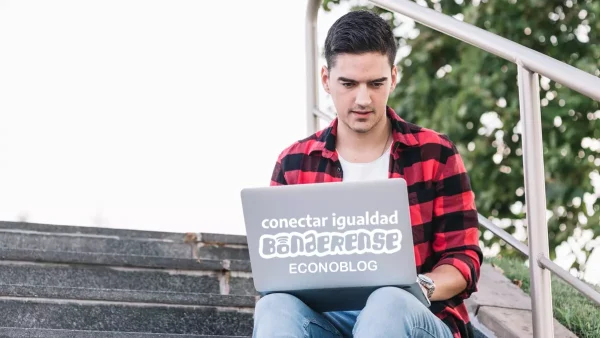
(341, 241)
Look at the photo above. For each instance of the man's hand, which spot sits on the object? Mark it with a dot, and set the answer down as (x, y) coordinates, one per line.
(448, 282)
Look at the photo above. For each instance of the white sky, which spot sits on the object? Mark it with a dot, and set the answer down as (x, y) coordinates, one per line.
(136, 114)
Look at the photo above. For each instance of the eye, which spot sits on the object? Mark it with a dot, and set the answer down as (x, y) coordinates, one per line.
(347, 84)
(377, 84)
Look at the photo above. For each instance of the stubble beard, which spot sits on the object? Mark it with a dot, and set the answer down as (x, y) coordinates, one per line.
(364, 129)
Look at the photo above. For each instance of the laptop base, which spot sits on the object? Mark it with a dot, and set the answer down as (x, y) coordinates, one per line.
(345, 299)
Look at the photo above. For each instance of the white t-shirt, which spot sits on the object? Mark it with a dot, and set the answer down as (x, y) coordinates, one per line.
(375, 170)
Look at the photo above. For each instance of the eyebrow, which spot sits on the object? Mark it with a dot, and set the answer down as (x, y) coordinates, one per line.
(343, 79)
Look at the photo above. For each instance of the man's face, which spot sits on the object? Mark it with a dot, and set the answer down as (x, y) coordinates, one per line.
(359, 85)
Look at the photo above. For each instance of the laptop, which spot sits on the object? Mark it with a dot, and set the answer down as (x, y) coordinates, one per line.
(331, 244)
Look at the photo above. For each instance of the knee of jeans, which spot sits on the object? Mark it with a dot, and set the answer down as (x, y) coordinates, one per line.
(393, 297)
(275, 303)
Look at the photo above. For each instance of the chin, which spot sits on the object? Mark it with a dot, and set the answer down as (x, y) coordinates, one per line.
(361, 129)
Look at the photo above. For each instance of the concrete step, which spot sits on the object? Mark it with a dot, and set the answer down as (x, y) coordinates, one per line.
(123, 280)
(94, 243)
(95, 258)
(135, 246)
(502, 309)
(123, 248)
(11, 332)
(210, 238)
(112, 317)
(131, 296)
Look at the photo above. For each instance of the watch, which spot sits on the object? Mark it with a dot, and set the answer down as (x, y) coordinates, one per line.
(427, 283)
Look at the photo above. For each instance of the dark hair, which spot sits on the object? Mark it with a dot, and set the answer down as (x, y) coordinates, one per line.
(359, 32)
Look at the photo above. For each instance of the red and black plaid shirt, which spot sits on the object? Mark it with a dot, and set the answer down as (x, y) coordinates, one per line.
(442, 207)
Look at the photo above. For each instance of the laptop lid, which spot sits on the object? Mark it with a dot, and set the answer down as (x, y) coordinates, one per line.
(312, 239)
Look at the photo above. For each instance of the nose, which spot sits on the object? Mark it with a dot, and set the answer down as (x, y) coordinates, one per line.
(363, 99)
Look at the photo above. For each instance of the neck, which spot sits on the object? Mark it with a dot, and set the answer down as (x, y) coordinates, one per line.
(363, 147)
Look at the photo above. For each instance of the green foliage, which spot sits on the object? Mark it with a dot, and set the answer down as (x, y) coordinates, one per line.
(455, 88)
(570, 308)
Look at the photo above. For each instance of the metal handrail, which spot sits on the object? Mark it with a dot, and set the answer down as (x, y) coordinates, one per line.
(312, 50)
(530, 65)
(582, 287)
(505, 236)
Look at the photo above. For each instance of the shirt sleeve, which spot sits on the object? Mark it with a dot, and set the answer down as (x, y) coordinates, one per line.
(456, 232)
(278, 175)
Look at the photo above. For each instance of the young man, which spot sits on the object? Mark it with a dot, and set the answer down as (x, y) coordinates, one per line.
(367, 140)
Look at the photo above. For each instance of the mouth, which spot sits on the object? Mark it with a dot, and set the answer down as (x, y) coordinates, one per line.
(361, 113)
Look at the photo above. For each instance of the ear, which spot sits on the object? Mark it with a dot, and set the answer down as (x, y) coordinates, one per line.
(394, 78)
(325, 78)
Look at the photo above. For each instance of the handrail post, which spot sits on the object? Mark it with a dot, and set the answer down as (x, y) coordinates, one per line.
(535, 197)
(312, 94)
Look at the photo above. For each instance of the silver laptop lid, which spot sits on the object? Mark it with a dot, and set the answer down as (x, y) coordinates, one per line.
(329, 235)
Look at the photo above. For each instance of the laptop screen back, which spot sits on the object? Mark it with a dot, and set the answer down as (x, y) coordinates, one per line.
(329, 235)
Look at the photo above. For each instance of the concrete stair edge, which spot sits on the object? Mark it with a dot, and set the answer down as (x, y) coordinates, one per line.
(128, 296)
(126, 278)
(503, 309)
(125, 260)
(217, 238)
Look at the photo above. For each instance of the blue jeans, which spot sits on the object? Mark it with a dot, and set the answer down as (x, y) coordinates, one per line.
(389, 313)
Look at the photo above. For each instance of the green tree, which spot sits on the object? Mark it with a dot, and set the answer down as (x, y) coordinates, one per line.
(472, 96)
